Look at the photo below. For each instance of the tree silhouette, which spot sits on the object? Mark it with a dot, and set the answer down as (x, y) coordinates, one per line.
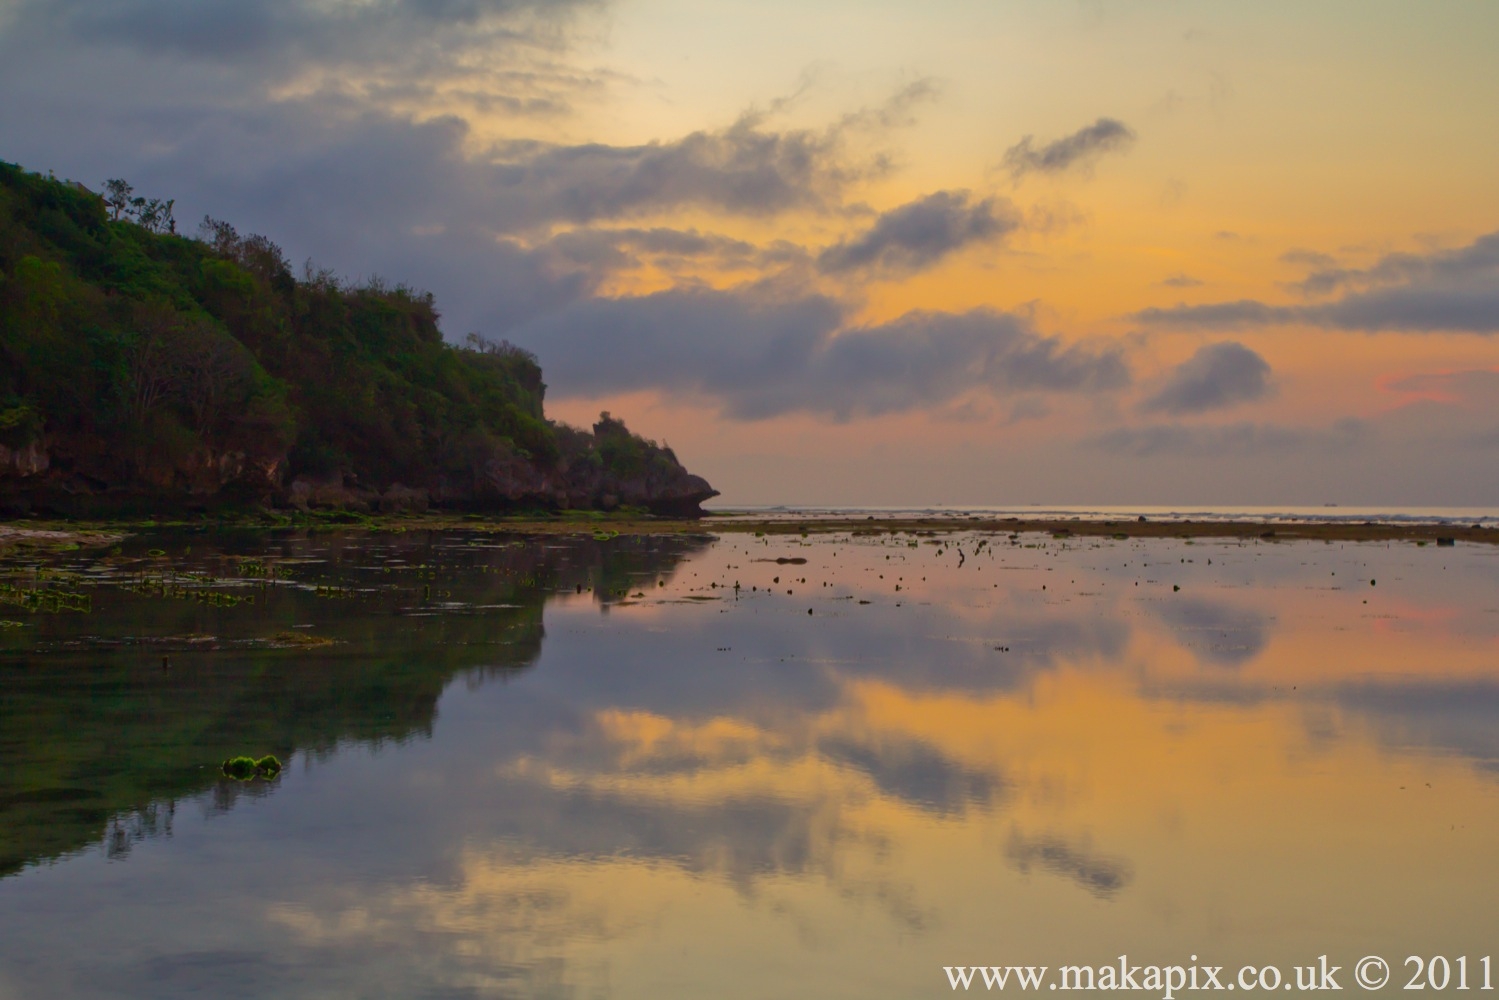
(117, 197)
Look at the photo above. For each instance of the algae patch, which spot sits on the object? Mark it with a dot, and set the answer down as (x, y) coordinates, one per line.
(248, 768)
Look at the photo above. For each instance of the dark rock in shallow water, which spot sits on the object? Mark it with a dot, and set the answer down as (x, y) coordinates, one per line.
(246, 768)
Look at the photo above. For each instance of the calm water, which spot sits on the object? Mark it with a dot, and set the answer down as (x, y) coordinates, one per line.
(592, 768)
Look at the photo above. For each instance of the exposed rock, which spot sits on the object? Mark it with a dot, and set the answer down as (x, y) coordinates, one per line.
(399, 499)
(506, 477)
(72, 478)
(27, 460)
(332, 490)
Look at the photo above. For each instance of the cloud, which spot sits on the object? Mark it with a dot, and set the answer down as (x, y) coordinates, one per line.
(1474, 386)
(1217, 315)
(917, 235)
(1028, 408)
(426, 56)
(372, 192)
(1308, 258)
(747, 168)
(1080, 149)
(759, 356)
(1217, 376)
(237, 85)
(1478, 261)
(1230, 441)
(744, 169)
(599, 251)
(1180, 280)
(220, 29)
(1454, 291)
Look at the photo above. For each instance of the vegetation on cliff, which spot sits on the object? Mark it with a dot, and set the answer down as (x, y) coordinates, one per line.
(141, 368)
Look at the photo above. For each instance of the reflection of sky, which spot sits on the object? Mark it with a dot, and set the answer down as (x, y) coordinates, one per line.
(1259, 765)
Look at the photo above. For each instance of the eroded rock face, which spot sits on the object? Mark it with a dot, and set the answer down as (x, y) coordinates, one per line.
(505, 477)
(682, 498)
(507, 480)
(78, 481)
(330, 490)
(399, 499)
(22, 462)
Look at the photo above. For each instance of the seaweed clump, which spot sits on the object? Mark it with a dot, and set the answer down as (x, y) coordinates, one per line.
(301, 640)
(246, 768)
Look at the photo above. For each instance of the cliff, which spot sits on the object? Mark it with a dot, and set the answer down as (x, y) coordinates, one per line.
(145, 372)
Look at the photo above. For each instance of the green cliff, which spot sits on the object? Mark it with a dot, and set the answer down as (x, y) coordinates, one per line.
(142, 371)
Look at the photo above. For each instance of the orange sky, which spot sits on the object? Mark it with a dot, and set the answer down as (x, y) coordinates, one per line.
(1354, 131)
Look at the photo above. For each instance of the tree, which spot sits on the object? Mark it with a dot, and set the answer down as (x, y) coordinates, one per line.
(152, 372)
(155, 215)
(502, 349)
(214, 373)
(117, 197)
(40, 292)
(254, 253)
(151, 213)
(220, 235)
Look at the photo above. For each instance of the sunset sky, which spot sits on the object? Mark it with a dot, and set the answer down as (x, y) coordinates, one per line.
(873, 252)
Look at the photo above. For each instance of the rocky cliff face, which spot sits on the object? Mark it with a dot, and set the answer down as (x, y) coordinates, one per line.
(71, 479)
(23, 462)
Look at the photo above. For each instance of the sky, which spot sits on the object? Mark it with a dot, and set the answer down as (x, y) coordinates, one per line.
(877, 252)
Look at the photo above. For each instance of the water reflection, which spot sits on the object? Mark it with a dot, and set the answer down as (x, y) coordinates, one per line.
(1035, 753)
(111, 717)
(1216, 632)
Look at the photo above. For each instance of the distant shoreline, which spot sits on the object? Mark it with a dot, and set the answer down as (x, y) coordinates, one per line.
(1121, 529)
(63, 534)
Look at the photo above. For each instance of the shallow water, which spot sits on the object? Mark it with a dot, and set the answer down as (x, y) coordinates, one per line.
(593, 768)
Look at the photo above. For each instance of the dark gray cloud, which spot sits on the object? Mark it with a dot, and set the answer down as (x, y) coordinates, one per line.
(1217, 376)
(1080, 149)
(1217, 315)
(1447, 291)
(1415, 309)
(1230, 441)
(283, 83)
(917, 235)
(372, 193)
(758, 354)
(1314, 259)
(745, 169)
(748, 168)
(484, 55)
(1478, 260)
(255, 29)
